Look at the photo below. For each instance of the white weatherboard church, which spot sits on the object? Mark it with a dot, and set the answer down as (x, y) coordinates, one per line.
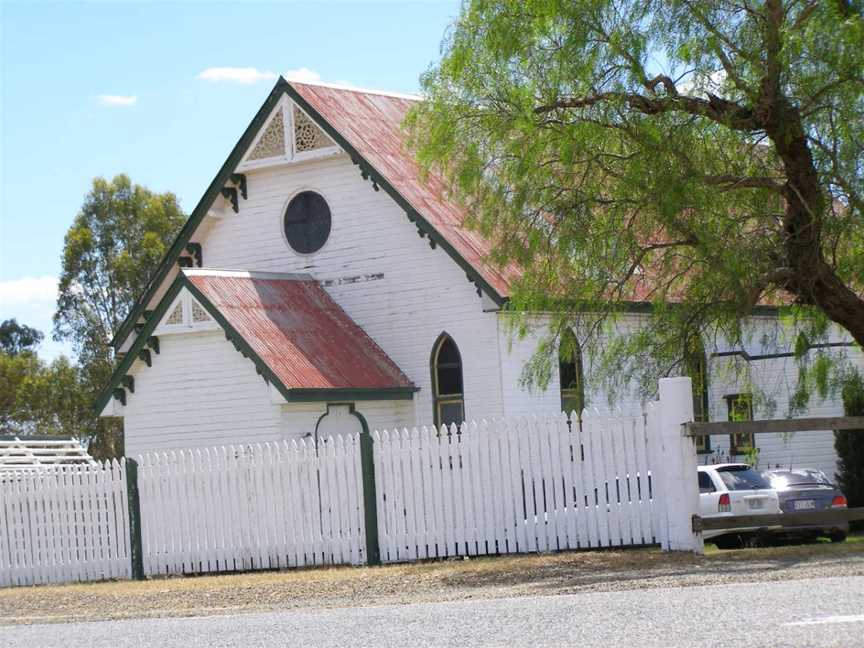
(320, 285)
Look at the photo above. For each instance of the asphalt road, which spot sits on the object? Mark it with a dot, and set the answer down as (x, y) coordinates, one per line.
(821, 611)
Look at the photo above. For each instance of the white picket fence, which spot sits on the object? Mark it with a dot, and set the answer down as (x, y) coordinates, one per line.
(252, 507)
(64, 523)
(495, 487)
(514, 486)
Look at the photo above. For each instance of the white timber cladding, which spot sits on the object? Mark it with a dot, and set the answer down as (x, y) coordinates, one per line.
(388, 279)
(200, 391)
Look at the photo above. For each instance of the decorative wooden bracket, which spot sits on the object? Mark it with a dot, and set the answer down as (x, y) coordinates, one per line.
(138, 328)
(185, 262)
(129, 383)
(239, 179)
(475, 283)
(120, 395)
(153, 343)
(144, 354)
(423, 234)
(230, 193)
(197, 254)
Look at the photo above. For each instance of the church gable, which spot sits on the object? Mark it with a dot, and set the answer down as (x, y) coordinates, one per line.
(302, 122)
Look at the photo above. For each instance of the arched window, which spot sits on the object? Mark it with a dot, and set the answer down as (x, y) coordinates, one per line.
(571, 373)
(696, 366)
(447, 389)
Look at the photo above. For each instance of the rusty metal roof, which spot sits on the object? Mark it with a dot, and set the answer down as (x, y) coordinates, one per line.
(302, 335)
(371, 123)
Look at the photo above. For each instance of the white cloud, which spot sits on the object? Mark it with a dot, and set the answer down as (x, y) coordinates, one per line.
(118, 100)
(244, 75)
(28, 291)
(302, 75)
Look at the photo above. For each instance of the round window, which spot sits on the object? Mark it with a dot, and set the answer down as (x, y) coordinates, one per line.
(307, 222)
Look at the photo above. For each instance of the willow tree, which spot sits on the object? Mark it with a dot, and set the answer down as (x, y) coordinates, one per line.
(702, 157)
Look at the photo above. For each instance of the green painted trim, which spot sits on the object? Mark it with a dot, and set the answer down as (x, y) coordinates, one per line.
(210, 195)
(140, 342)
(370, 495)
(412, 214)
(315, 394)
(136, 546)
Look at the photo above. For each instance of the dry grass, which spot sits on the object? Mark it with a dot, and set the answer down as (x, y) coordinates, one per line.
(431, 581)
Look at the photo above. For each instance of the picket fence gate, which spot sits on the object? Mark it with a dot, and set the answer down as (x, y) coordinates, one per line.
(64, 523)
(514, 486)
(261, 506)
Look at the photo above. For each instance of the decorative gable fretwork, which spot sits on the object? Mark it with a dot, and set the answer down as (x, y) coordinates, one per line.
(185, 315)
(271, 144)
(289, 135)
(307, 136)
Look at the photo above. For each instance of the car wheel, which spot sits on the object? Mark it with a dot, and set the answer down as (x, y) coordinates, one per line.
(838, 536)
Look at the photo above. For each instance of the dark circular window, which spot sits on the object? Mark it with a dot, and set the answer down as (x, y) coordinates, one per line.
(307, 222)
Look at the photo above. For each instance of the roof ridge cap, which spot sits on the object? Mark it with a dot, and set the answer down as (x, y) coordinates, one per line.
(351, 88)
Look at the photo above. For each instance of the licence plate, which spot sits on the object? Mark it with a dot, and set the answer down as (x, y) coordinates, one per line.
(803, 505)
(756, 503)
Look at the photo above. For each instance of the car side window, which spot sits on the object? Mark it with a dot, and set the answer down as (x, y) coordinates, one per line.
(705, 483)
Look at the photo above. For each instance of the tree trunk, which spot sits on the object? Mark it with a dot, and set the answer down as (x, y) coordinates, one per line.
(814, 280)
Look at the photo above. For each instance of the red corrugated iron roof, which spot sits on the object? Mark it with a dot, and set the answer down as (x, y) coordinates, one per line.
(298, 331)
(371, 123)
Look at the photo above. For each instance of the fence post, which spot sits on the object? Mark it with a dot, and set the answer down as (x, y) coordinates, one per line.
(370, 502)
(135, 544)
(677, 467)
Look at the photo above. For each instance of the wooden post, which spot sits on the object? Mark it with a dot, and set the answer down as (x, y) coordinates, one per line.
(135, 544)
(677, 468)
(370, 506)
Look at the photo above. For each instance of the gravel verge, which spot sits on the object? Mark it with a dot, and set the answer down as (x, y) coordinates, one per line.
(453, 580)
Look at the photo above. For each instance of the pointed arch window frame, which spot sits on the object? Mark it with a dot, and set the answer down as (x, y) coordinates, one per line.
(439, 399)
(570, 394)
(290, 155)
(696, 362)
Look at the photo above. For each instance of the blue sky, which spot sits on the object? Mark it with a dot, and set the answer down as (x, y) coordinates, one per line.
(98, 89)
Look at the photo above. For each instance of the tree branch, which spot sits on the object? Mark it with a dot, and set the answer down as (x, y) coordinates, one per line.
(731, 182)
(717, 109)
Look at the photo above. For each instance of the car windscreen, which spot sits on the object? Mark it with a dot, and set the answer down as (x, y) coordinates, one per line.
(742, 478)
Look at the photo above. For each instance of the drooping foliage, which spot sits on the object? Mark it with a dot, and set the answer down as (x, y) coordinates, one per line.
(703, 158)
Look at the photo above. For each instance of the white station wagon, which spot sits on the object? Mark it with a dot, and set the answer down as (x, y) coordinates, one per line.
(734, 489)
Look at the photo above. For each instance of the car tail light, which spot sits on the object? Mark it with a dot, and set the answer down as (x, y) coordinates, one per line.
(839, 501)
(725, 504)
